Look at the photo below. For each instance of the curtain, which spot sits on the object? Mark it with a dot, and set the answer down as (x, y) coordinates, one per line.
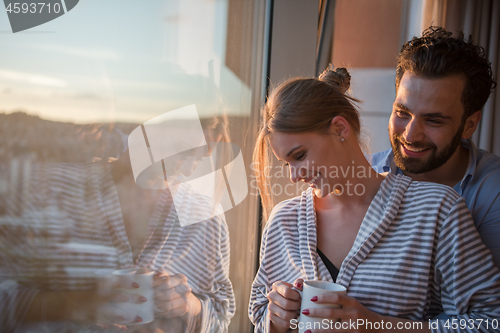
(481, 20)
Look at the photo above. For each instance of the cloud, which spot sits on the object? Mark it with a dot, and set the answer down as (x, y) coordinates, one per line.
(35, 79)
(80, 96)
(6, 90)
(91, 53)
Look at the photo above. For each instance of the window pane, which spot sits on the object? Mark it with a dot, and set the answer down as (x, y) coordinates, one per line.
(126, 136)
(368, 49)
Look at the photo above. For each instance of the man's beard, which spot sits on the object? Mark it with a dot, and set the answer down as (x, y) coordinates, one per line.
(435, 160)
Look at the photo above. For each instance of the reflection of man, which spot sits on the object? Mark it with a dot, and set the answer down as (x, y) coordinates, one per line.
(442, 83)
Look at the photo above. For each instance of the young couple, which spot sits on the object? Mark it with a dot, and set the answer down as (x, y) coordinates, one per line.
(407, 249)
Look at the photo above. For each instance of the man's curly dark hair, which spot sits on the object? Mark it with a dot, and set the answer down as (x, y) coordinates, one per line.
(437, 54)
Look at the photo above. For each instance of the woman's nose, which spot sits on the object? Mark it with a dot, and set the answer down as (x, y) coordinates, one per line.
(295, 174)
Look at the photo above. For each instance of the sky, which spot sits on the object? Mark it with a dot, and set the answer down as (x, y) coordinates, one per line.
(112, 60)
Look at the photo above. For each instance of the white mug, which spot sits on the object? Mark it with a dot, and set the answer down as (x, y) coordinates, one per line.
(309, 290)
(129, 310)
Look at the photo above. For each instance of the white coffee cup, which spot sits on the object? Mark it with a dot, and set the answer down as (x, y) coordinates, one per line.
(131, 309)
(309, 290)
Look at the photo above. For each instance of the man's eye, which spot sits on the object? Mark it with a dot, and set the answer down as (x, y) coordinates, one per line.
(402, 114)
(434, 121)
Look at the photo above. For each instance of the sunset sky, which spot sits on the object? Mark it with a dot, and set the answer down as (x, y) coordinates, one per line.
(112, 60)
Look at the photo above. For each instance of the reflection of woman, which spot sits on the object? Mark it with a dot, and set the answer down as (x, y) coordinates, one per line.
(404, 250)
(82, 217)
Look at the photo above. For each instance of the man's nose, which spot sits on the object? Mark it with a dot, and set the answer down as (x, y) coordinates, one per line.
(413, 131)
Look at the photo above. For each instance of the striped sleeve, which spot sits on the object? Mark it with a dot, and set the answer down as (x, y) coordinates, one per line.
(258, 311)
(468, 279)
(288, 252)
(200, 251)
(218, 306)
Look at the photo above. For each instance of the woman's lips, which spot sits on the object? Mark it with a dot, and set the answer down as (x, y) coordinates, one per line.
(311, 180)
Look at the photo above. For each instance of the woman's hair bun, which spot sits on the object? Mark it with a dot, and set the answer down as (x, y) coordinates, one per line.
(338, 78)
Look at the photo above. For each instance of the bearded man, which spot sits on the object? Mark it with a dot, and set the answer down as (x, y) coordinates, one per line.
(442, 83)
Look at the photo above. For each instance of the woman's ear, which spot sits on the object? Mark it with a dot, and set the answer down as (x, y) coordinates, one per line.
(340, 127)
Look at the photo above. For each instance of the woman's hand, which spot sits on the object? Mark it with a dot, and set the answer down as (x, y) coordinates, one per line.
(105, 303)
(284, 304)
(352, 311)
(173, 296)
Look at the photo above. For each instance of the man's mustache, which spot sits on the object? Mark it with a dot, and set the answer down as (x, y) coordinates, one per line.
(398, 138)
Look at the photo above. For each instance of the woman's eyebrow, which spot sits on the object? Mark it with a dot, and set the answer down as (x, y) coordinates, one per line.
(292, 150)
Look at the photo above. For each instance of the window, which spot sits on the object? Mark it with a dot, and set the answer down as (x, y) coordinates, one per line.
(72, 90)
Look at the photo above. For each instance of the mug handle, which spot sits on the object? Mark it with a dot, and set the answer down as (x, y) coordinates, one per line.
(300, 291)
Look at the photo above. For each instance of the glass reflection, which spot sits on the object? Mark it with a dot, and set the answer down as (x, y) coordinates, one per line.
(71, 205)
(71, 92)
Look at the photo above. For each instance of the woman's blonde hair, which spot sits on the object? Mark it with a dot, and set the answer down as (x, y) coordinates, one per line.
(302, 105)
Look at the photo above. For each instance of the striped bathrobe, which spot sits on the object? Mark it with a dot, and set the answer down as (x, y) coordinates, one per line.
(70, 224)
(416, 255)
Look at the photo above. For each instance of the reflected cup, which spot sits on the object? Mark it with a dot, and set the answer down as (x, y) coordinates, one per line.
(131, 309)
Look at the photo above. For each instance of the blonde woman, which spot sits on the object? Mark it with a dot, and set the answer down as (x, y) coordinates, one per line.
(405, 250)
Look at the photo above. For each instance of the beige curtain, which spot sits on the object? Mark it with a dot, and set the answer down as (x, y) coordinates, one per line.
(481, 19)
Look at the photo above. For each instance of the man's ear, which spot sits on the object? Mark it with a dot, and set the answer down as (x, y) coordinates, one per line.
(471, 124)
(340, 127)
